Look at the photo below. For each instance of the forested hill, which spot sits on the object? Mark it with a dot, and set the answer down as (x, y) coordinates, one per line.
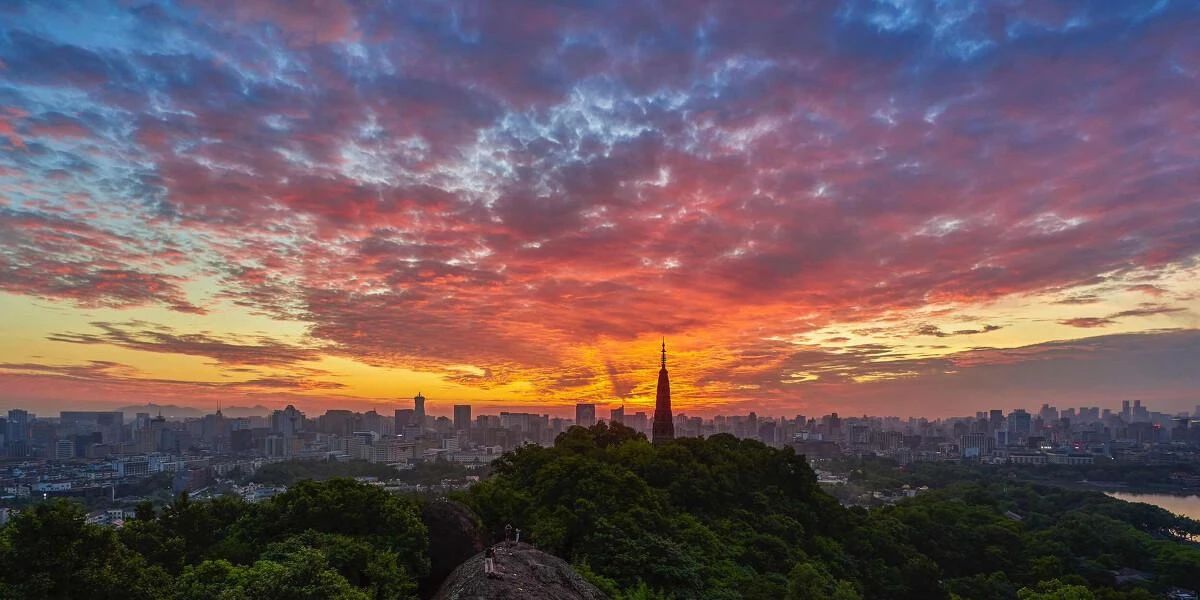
(716, 518)
(726, 518)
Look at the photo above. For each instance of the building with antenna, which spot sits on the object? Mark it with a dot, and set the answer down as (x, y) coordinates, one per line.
(419, 410)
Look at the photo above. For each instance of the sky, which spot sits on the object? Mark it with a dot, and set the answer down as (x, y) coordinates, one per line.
(869, 206)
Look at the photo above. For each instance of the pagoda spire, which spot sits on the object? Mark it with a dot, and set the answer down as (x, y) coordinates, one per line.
(663, 429)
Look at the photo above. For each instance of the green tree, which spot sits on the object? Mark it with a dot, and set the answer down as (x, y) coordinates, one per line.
(810, 581)
(49, 551)
(378, 571)
(304, 574)
(338, 506)
(1056, 590)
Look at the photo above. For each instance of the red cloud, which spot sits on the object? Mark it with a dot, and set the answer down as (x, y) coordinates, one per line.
(427, 185)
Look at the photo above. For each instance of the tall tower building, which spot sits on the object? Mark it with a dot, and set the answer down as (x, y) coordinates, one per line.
(585, 415)
(663, 429)
(617, 415)
(404, 418)
(462, 417)
(18, 426)
(419, 410)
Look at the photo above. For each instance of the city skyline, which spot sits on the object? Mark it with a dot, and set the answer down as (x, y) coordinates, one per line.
(862, 207)
(1069, 435)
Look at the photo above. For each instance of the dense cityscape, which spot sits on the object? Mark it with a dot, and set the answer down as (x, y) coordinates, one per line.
(96, 453)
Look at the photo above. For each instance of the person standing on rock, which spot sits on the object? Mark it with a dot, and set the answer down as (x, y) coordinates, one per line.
(508, 534)
(518, 535)
(489, 562)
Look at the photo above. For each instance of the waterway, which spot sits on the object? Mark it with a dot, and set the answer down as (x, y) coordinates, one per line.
(1188, 506)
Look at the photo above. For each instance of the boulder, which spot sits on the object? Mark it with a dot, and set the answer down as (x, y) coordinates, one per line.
(454, 536)
(525, 573)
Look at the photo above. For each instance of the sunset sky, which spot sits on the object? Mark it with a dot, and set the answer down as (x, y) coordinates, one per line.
(871, 206)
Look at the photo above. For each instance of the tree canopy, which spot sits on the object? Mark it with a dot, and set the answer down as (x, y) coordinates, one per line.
(716, 518)
(335, 539)
(728, 518)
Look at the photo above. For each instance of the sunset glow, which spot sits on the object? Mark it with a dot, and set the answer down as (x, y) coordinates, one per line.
(860, 206)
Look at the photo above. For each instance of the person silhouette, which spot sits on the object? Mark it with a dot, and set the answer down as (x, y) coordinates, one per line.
(518, 539)
(489, 562)
(508, 533)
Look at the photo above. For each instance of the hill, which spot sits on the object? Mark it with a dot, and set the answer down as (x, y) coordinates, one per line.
(724, 518)
(714, 519)
(525, 573)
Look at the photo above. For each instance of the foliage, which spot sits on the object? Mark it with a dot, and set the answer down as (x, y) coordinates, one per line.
(49, 551)
(335, 539)
(728, 518)
(292, 471)
(716, 518)
(432, 472)
(301, 575)
(1056, 590)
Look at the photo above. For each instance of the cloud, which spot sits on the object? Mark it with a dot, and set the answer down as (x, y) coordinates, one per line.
(1148, 310)
(494, 192)
(54, 257)
(936, 331)
(1080, 299)
(1088, 322)
(258, 351)
(1144, 310)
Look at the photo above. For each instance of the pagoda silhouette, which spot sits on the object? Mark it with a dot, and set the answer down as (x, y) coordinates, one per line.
(664, 423)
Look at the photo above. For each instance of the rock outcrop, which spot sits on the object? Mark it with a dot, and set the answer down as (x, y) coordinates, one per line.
(454, 537)
(525, 574)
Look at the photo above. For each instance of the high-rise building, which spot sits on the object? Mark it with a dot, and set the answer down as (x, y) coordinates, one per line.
(617, 415)
(462, 417)
(972, 445)
(18, 426)
(64, 449)
(585, 415)
(404, 418)
(638, 421)
(1020, 425)
(995, 420)
(1048, 413)
(150, 439)
(419, 410)
(1140, 413)
(372, 421)
(108, 423)
(338, 422)
(287, 423)
(663, 429)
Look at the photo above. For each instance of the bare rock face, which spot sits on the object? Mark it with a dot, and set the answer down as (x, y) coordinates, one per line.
(454, 537)
(524, 574)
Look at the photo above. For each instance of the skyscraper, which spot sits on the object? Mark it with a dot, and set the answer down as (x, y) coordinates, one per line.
(18, 425)
(109, 423)
(585, 415)
(1019, 425)
(462, 417)
(617, 415)
(287, 422)
(663, 429)
(419, 410)
(404, 417)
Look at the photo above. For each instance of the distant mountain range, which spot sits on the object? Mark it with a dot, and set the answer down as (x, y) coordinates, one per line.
(172, 411)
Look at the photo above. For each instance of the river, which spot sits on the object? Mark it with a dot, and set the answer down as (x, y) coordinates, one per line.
(1188, 506)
